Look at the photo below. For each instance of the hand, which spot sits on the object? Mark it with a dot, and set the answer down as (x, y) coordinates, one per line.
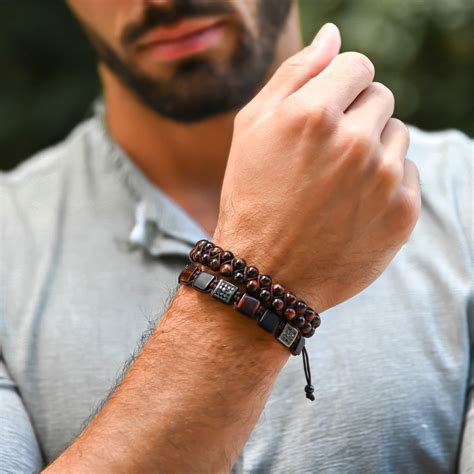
(318, 192)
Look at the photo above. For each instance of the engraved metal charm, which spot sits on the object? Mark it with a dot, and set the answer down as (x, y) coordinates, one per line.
(288, 335)
(224, 291)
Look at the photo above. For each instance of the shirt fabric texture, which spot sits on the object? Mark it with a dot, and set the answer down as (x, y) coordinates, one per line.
(90, 252)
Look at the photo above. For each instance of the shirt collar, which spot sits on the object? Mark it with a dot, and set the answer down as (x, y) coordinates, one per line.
(161, 227)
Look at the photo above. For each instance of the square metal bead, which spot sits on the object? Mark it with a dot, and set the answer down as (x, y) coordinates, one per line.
(269, 321)
(288, 335)
(224, 291)
(203, 281)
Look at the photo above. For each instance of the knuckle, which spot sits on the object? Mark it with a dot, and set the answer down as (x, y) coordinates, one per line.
(243, 117)
(312, 118)
(294, 63)
(400, 126)
(358, 143)
(389, 176)
(384, 91)
(359, 62)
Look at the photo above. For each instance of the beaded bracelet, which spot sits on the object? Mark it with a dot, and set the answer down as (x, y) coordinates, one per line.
(273, 295)
(227, 293)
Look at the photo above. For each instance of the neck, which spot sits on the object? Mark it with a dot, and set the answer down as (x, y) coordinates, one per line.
(184, 160)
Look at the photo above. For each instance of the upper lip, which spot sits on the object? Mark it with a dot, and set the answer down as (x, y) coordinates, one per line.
(178, 30)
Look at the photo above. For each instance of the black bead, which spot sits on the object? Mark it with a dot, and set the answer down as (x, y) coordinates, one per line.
(265, 280)
(208, 246)
(239, 263)
(203, 281)
(299, 321)
(252, 272)
(301, 307)
(265, 295)
(269, 321)
(306, 328)
(205, 258)
(227, 256)
(309, 333)
(239, 277)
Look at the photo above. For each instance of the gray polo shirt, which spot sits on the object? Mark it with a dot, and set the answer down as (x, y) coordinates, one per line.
(90, 250)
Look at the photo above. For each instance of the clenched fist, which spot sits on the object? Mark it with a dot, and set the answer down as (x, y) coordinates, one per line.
(318, 192)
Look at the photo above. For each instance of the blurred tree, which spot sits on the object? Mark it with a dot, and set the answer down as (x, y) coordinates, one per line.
(422, 49)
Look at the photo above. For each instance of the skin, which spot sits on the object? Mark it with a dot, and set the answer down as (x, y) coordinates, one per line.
(330, 178)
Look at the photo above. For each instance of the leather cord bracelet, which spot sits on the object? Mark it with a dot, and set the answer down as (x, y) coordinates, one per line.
(273, 295)
(288, 327)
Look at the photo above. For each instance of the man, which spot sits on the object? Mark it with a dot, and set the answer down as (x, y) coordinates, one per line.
(217, 126)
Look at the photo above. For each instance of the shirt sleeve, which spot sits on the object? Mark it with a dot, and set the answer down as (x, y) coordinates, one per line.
(19, 448)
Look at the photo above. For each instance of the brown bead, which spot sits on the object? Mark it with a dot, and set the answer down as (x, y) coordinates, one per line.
(298, 321)
(227, 256)
(216, 251)
(239, 277)
(290, 299)
(309, 314)
(278, 304)
(306, 328)
(290, 313)
(208, 246)
(205, 258)
(252, 286)
(265, 280)
(187, 274)
(278, 290)
(265, 295)
(300, 307)
(316, 322)
(215, 263)
(239, 263)
(226, 269)
(252, 272)
(200, 244)
(309, 333)
(248, 305)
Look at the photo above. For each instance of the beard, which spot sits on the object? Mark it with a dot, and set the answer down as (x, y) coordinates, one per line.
(200, 87)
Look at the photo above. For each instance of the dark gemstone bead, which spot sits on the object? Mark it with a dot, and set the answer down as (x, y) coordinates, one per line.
(278, 304)
(265, 280)
(289, 313)
(200, 243)
(208, 246)
(290, 299)
(248, 305)
(216, 251)
(239, 277)
(310, 333)
(252, 272)
(203, 281)
(187, 274)
(239, 263)
(316, 322)
(252, 286)
(227, 256)
(215, 263)
(298, 321)
(269, 321)
(300, 307)
(265, 295)
(226, 269)
(306, 328)
(197, 256)
(278, 290)
(309, 314)
(205, 258)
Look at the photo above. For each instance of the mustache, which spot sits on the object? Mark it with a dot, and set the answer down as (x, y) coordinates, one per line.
(155, 16)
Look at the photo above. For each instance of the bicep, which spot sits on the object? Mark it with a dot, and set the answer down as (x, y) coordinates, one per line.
(19, 449)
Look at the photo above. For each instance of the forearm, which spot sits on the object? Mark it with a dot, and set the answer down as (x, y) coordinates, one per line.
(190, 400)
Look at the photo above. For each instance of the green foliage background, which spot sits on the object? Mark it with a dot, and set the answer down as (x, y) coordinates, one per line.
(422, 49)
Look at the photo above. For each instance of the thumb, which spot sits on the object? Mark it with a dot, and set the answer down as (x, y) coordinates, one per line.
(301, 67)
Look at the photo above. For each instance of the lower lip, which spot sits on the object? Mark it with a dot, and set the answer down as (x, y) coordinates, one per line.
(187, 45)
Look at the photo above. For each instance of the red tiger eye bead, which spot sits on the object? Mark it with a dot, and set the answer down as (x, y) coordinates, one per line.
(239, 277)
(215, 263)
(201, 243)
(301, 307)
(216, 251)
(227, 256)
(265, 295)
(290, 299)
(278, 290)
(265, 280)
(239, 263)
(252, 286)
(306, 328)
(309, 333)
(226, 269)
(309, 314)
(290, 313)
(278, 304)
(252, 272)
(316, 322)
(187, 274)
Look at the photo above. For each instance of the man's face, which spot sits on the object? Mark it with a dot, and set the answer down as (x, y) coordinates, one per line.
(186, 59)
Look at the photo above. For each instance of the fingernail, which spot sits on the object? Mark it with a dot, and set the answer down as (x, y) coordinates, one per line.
(324, 32)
